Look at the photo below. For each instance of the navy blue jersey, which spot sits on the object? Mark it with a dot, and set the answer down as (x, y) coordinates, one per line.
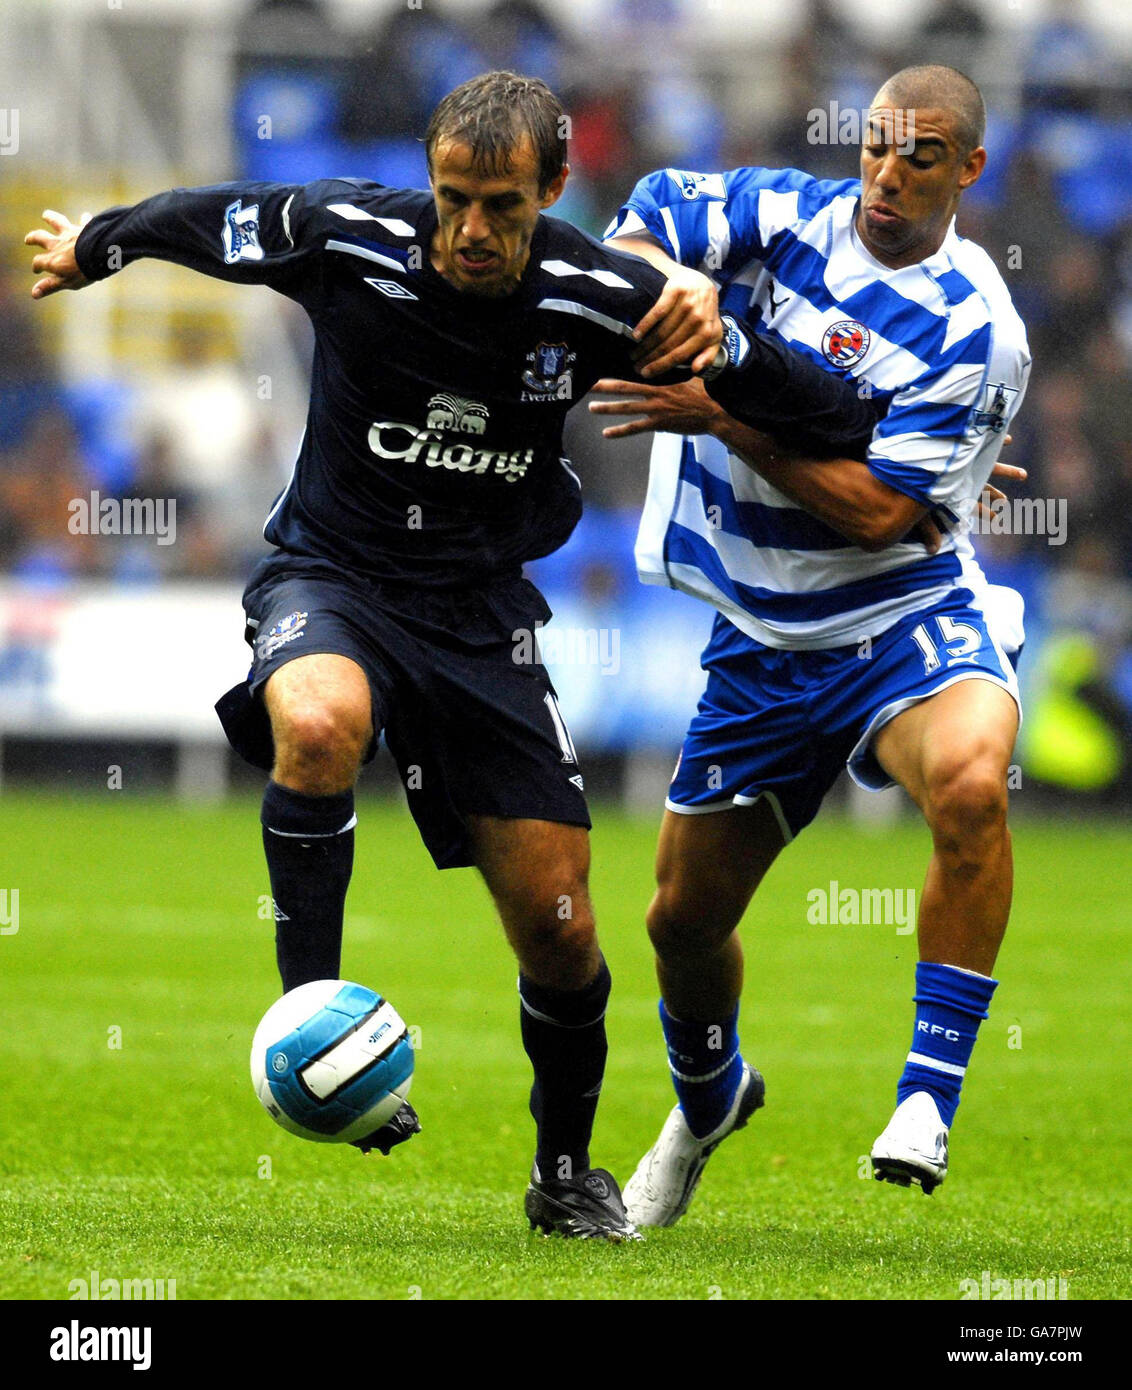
(433, 448)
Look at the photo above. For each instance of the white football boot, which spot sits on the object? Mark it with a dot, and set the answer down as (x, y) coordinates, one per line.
(913, 1147)
(660, 1190)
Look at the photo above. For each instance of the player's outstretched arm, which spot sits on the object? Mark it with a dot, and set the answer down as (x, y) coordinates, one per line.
(842, 492)
(839, 491)
(56, 264)
(248, 233)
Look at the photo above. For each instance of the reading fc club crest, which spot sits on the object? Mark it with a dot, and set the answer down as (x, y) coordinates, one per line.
(846, 342)
(550, 376)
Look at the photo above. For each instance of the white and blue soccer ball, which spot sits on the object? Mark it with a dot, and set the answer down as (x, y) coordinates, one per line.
(332, 1061)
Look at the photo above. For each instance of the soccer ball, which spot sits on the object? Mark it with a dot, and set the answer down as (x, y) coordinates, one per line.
(331, 1061)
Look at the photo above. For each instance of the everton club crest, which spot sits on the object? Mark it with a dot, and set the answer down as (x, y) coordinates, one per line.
(550, 375)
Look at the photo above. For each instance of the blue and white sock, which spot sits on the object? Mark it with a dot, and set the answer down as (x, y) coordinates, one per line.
(706, 1067)
(950, 1004)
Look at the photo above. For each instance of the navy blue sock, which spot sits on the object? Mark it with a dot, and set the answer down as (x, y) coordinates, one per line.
(564, 1036)
(309, 843)
(706, 1067)
(950, 1004)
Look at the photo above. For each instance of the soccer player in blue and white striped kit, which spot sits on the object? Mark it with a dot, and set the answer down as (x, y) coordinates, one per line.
(839, 638)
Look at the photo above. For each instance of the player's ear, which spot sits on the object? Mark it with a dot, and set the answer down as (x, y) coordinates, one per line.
(553, 190)
(973, 167)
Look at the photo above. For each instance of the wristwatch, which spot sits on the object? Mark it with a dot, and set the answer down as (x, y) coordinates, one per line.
(731, 352)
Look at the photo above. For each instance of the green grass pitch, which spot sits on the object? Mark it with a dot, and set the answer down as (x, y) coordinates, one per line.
(152, 1159)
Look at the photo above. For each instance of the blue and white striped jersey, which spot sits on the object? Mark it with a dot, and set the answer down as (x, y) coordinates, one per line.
(938, 342)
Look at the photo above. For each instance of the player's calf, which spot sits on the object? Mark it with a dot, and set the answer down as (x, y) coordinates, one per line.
(320, 719)
(700, 969)
(536, 872)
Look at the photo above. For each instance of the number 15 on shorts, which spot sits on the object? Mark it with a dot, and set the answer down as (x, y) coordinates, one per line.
(957, 643)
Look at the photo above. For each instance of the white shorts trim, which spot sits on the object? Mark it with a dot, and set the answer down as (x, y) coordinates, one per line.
(735, 801)
(888, 712)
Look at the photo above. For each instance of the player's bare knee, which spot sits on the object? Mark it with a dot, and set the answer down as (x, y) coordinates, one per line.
(559, 916)
(318, 747)
(967, 807)
(680, 926)
(556, 947)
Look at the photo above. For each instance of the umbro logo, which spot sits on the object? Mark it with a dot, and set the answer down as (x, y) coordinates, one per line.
(391, 289)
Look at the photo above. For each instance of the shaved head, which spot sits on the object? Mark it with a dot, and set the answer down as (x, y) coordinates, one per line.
(934, 87)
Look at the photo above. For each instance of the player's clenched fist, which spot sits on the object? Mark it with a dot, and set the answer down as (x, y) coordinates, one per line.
(56, 263)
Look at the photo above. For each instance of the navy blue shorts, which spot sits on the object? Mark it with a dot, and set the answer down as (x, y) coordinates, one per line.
(472, 723)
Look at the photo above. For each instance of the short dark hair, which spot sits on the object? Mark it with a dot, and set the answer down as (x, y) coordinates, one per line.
(492, 113)
(934, 84)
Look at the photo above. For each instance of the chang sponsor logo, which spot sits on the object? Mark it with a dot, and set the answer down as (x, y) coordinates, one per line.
(399, 441)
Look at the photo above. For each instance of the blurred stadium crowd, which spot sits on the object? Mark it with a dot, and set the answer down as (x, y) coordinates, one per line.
(1054, 210)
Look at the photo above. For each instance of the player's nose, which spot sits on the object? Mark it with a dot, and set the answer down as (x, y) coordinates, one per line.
(475, 226)
(888, 176)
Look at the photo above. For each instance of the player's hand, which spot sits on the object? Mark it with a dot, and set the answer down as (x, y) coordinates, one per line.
(1002, 470)
(682, 328)
(56, 262)
(685, 408)
(930, 534)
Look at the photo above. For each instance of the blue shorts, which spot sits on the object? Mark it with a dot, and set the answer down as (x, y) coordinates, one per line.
(782, 724)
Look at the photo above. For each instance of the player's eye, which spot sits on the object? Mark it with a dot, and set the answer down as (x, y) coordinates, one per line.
(921, 163)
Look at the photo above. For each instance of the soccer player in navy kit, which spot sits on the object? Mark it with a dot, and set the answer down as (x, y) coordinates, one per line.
(454, 330)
